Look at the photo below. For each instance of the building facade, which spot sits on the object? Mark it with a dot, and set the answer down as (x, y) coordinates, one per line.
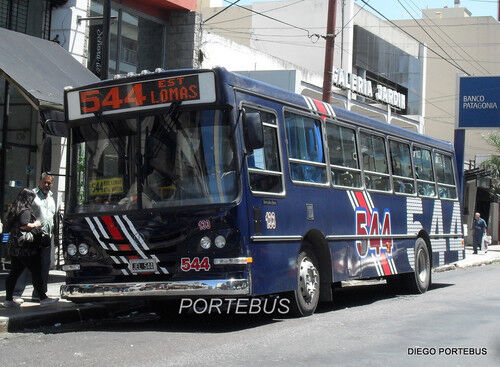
(146, 34)
(367, 52)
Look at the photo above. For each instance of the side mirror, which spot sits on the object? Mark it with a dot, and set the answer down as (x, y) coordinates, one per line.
(253, 130)
(46, 155)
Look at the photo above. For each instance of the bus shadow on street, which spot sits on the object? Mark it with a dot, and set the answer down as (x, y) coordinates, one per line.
(153, 319)
(362, 295)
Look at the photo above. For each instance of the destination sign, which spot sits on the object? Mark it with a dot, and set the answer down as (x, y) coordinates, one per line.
(141, 95)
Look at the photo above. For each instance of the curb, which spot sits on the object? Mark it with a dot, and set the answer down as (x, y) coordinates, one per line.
(39, 318)
(73, 313)
(463, 266)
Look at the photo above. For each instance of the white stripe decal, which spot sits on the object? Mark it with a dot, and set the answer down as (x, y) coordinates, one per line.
(105, 235)
(368, 200)
(307, 102)
(142, 242)
(330, 109)
(103, 245)
(351, 200)
(129, 237)
(354, 199)
(392, 265)
(132, 242)
(378, 266)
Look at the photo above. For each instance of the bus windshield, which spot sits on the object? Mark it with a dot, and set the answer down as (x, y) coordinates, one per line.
(174, 159)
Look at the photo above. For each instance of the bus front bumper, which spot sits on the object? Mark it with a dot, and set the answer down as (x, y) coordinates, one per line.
(212, 287)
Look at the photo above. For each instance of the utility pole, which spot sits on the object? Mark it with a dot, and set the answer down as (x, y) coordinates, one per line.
(329, 49)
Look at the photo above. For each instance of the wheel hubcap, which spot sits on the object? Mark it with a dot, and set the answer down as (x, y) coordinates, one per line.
(422, 268)
(308, 279)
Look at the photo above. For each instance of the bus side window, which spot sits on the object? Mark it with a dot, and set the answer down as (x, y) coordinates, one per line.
(423, 171)
(374, 160)
(305, 149)
(402, 173)
(264, 168)
(444, 175)
(343, 156)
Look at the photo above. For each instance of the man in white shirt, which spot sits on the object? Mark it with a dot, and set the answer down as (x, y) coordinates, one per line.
(44, 210)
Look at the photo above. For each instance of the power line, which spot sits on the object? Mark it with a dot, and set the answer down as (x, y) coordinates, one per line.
(408, 34)
(223, 10)
(309, 35)
(267, 11)
(450, 38)
(350, 20)
(432, 38)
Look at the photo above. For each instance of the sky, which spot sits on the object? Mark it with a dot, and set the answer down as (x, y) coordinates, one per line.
(393, 10)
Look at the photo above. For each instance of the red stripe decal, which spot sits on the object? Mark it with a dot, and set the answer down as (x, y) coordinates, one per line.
(362, 203)
(125, 247)
(385, 265)
(115, 233)
(321, 108)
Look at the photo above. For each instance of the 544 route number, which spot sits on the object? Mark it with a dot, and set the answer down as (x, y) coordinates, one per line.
(195, 264)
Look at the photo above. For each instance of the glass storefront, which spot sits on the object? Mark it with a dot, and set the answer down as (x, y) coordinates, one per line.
(388, 65)
(136, 41)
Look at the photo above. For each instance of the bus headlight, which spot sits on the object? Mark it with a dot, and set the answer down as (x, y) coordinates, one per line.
(205, 242)
(71, 250)
(83, 249)
(220, 241)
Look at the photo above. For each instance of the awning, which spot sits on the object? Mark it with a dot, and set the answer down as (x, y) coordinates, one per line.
(40, 69)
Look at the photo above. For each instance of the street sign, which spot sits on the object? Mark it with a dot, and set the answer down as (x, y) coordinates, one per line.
(479, 102)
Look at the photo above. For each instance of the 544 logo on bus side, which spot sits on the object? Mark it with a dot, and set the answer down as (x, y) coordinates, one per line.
(369, 225)
(195, 264)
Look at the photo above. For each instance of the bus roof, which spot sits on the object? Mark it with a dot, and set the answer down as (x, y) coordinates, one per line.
(270, 91)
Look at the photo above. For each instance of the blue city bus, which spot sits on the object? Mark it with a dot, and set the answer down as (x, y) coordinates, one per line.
(205, 183)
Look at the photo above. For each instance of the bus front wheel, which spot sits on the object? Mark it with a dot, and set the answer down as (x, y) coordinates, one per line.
(306, 297)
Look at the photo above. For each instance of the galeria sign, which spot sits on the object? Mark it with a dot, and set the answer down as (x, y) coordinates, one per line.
(362, 86)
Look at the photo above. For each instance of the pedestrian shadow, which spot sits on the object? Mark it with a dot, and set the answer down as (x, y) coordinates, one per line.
(53, 278)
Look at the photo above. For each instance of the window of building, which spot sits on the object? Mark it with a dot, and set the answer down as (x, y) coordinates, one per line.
(343, 156)
(264, 167)
(374, 158)
(25, 16)
(402, 173)
(445, 178)
(305, 149)
(136, 41)
(423, 172)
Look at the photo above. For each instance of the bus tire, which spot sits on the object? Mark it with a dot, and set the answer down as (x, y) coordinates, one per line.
(305, 298)
(420, 280)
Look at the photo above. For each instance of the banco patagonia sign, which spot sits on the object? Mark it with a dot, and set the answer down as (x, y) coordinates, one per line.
(479, 102)
(364, 87)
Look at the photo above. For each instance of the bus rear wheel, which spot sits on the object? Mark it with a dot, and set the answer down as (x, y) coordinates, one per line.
(306, 297)
(420, 280)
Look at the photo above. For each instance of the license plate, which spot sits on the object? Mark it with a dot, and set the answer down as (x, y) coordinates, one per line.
(142, 265)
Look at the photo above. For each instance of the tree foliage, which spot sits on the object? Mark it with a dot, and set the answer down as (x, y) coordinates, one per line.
(493, 164)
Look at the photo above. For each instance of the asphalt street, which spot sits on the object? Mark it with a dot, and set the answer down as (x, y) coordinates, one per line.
(366, 325)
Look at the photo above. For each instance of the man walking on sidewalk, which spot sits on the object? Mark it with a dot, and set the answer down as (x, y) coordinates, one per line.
(478, 231)
(44, 210)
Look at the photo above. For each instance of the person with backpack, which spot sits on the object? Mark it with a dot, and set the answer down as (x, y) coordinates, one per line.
(25, 245)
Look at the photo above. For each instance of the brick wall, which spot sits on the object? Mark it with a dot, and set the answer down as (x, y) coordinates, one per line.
(183, 40)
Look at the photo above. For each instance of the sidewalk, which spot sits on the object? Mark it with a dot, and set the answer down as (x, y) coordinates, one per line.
(31, 315)
(482, 258)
